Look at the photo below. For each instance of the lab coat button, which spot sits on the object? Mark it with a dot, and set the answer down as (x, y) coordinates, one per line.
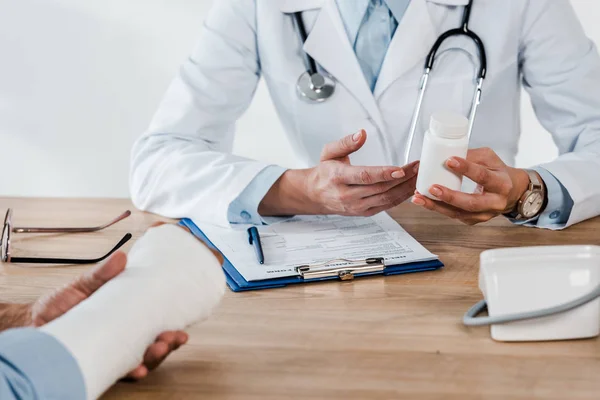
(555, 214)
(245, 215)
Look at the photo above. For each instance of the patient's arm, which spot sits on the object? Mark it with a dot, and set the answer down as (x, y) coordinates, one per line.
(52, 306)
(14, 315)
(170, 282)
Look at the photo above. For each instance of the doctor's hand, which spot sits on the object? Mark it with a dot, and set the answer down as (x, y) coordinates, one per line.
(499, 188)
(337, 187)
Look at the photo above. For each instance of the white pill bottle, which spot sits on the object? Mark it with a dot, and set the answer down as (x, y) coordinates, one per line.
(447, 137)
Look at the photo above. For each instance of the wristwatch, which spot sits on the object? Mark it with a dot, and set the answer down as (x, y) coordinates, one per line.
(533, 201)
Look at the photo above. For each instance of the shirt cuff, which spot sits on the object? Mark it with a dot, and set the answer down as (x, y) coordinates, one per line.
(558, 210)
(244, 209)
(35, 361)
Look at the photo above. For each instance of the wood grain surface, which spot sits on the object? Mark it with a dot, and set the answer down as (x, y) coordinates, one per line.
(398, 337)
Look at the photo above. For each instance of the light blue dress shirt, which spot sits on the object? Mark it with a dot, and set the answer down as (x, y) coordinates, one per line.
(370, 26)
(35, 366)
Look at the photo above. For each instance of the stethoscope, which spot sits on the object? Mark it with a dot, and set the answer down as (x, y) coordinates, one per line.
(316, 87)
(312, 85)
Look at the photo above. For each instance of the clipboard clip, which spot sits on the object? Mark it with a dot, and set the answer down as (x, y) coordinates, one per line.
(344, 269)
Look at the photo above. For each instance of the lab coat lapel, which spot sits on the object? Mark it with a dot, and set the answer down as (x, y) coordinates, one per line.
(410, 45)
(292, 6)
(328, 44)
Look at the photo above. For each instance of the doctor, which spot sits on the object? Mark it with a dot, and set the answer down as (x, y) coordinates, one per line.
(374, 52)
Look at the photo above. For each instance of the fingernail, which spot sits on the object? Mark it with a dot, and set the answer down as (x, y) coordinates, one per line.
(418, 201)
(452, 163)
(357, 136)
(416, 168)
(436, 191)
(398, 174)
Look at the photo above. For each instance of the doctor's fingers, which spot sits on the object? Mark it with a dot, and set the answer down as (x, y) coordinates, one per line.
(492, 181)
(353, 175)
(392, 198)
(485, 156)
(465, 217)
(362, 191)
(486, 202)
(344, 147)
(356, 192)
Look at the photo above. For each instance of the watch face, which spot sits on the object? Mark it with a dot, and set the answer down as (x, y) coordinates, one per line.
(532, 205)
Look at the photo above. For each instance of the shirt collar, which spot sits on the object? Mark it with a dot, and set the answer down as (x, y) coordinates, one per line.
(398, 8)
(353, 13)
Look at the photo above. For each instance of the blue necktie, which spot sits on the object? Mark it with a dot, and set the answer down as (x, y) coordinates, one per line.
(374, 36)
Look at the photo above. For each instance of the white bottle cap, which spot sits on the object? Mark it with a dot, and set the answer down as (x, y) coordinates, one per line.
(449, 125)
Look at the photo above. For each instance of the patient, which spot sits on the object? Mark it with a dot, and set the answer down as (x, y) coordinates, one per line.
(119, 319)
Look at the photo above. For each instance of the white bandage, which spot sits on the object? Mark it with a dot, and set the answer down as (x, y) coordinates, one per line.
(171, 281)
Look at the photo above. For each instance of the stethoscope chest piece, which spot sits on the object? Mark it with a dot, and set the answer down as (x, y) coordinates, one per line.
(315, 87)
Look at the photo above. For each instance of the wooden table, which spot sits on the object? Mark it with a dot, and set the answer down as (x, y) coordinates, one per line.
(395, 338)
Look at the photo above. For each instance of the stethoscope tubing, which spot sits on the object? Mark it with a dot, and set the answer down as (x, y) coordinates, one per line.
(310, 62)
(311, 93)
(429, 64)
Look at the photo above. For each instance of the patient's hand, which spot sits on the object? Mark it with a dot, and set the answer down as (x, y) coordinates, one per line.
(56, 304)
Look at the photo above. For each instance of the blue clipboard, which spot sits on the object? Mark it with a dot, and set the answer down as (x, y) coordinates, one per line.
(237, 283)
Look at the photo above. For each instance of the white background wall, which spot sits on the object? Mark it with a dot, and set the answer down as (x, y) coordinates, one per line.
(80, 80)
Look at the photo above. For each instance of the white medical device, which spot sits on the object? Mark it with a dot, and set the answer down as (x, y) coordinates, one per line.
(539, 293)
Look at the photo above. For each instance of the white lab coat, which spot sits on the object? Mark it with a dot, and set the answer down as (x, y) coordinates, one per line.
(183, 166)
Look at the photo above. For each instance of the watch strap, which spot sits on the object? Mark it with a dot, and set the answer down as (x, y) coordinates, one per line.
(535, 183)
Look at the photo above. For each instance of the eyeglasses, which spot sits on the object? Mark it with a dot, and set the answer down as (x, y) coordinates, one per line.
(8, 229)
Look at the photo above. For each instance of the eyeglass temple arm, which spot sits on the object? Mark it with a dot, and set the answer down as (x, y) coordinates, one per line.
(72, 230)
(77, 261)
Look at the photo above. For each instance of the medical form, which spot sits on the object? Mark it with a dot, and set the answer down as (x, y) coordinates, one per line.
(311, 240)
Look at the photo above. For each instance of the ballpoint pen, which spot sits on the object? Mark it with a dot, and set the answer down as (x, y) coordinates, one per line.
(254, 239)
